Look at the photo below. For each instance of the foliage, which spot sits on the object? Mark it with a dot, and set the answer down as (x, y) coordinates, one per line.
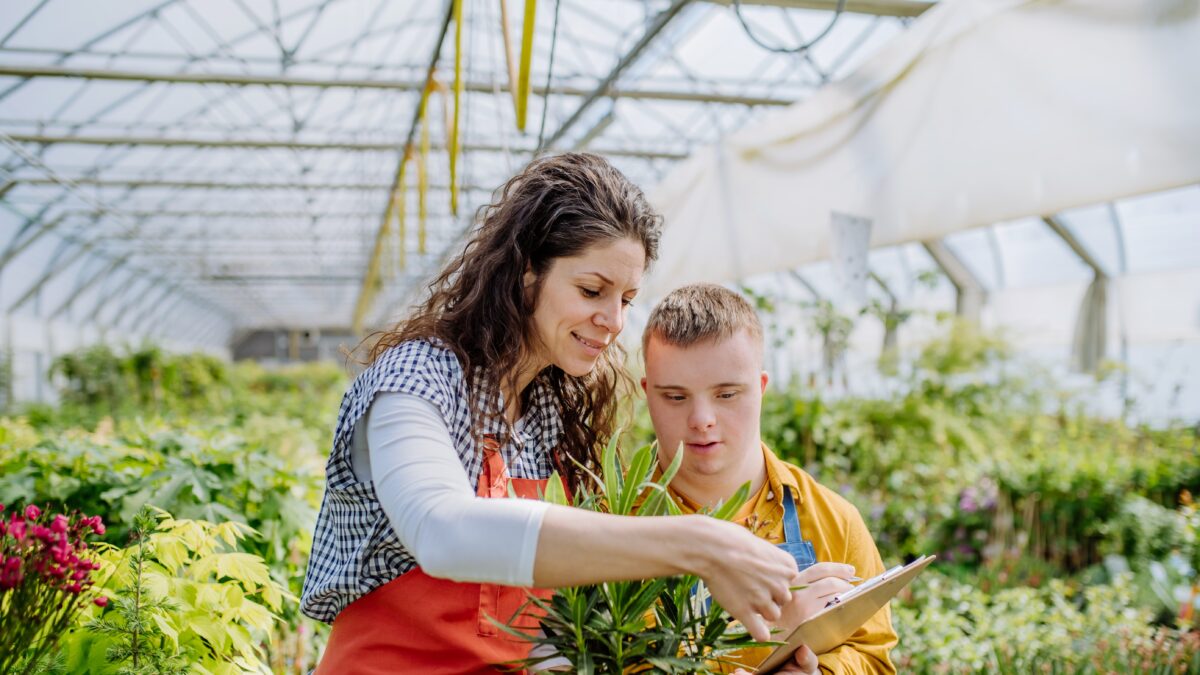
(99, 381)
(951, 627)
(975, 456)
(184, 598)
(44, 582)
(266, 473)
(657, 625)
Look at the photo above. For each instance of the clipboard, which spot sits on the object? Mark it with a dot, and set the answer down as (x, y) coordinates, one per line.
(833, 625)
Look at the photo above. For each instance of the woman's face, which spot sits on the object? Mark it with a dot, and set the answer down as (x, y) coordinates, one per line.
(582, 304)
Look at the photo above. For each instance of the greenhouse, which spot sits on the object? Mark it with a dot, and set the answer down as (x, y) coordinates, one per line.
(968, 234)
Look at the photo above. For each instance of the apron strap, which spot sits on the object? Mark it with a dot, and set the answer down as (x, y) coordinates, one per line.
(791, 521)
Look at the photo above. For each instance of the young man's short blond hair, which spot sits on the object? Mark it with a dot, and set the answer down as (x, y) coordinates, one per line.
(700, 313)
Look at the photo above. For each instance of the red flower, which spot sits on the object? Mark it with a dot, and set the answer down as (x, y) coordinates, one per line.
(32, 512)
(74, 588)
(101, 601)
(17, 529)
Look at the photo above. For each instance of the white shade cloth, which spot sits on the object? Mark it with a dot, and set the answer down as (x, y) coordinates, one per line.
(982, 111)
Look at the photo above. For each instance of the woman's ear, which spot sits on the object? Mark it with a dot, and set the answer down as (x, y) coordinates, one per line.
(530, 277)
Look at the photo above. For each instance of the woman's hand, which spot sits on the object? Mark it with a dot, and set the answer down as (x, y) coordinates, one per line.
(822, 581)
(748, 576)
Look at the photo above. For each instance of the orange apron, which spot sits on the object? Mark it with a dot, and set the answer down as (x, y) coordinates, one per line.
(418, 624)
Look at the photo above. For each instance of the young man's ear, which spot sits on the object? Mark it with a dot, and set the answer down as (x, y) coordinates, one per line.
(763, 386)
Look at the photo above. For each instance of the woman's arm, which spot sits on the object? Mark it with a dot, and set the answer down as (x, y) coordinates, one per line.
(747, 575)
(424, 491)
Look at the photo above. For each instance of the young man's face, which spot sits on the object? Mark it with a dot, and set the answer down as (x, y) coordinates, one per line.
(707, 396)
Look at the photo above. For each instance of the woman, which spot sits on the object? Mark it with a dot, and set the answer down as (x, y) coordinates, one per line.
(509, 371)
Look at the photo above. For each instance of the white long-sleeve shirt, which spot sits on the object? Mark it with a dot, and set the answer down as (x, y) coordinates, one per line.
(403, 446)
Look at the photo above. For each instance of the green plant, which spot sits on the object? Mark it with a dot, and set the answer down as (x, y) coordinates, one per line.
(950, 627)
(183, 599)
(264, 472)
(657, 625)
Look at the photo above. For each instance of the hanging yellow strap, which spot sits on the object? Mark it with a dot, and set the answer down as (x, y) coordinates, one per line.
(526, 61)
(400, 206)
(458, 96)
(423, 175)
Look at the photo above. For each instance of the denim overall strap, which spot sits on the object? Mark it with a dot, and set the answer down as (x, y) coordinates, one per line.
(793, 542)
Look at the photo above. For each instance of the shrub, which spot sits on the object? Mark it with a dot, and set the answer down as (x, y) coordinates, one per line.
(183, 598)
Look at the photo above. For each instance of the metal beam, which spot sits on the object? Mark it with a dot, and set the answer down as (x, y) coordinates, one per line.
(320, 279)
(907, 8)
(16, 248)
(83, 286)
(655, 27)
(106, 298)
(1077, 246)
(124, 306)
(132, 183)
(156, 307)
(969, 292)
(233, 79)
(52, 270)
(146, 215)
(168, 142)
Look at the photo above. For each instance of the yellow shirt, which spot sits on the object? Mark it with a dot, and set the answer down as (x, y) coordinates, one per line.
(838, 534)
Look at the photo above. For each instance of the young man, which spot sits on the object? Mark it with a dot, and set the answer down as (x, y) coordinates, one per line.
(704, 384)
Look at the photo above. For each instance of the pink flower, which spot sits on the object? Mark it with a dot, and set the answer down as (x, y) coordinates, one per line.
(17, 530)
(32, 512)
(101, 601)
(98, 527)
(79, 576)
(10, 581)
(59, 525)
(42, 533)
(74, 589)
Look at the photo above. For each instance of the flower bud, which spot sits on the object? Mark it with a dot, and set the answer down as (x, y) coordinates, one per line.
(32, 512)
(101, 601)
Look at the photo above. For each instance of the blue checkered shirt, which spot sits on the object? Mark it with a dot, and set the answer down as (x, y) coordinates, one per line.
(354, 548)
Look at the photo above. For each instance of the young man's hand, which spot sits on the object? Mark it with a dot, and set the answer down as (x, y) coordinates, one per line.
(804, 662)
(822, 581)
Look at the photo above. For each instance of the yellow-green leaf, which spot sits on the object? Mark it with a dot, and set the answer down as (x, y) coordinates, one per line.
(165, 626)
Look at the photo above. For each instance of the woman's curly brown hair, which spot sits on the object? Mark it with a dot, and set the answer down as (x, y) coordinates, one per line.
(558, 206)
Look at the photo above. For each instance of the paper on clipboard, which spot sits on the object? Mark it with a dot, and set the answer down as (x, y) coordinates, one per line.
(833, 625)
